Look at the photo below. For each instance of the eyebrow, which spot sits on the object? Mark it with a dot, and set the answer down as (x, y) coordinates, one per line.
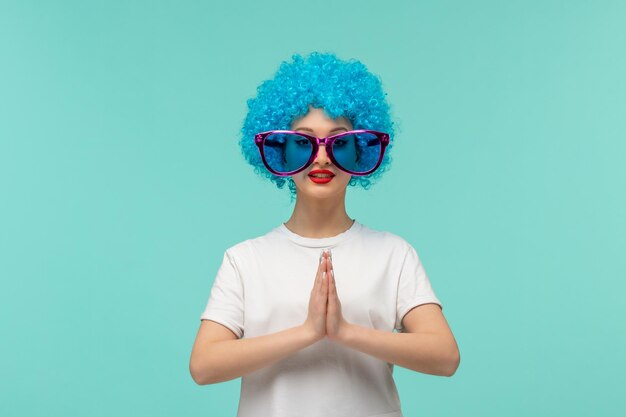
(311, 130)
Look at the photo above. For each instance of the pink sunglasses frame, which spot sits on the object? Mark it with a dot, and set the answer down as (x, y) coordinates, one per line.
(259, 140)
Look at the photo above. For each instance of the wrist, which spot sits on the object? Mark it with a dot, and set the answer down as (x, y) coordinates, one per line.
(308, 334)
(346, 332)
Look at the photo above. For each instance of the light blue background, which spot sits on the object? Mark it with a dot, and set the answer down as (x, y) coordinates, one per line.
(122, 185)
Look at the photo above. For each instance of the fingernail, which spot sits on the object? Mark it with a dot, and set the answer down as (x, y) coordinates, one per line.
(322, 256)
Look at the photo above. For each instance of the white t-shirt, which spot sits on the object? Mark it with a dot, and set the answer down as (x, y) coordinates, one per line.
(263, 286)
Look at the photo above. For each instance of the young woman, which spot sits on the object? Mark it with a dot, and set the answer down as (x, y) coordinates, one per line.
(306, 313)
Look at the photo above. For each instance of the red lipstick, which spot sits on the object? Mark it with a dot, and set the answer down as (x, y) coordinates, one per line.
(325, 176)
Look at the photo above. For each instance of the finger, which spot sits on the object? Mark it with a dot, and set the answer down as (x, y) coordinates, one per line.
(324, 275)
(329, 267)
(318, 278)
(317, 283)
(324, 290)
(332, 288)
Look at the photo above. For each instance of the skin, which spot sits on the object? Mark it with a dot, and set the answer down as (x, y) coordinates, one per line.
(325, 318)
(319, 212)
(427, 344)
(320, 209)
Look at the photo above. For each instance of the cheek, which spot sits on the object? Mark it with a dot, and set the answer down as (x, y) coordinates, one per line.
(299, 178)
(343, 177)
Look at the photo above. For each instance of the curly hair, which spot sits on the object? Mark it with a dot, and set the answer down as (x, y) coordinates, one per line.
(341, 88)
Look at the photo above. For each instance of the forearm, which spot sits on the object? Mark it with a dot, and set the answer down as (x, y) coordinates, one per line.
(225, 360)
(428, 353)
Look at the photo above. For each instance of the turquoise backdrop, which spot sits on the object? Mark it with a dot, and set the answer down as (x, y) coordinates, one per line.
(122, 184)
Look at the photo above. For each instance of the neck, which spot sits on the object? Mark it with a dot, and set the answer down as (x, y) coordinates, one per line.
(319, 218)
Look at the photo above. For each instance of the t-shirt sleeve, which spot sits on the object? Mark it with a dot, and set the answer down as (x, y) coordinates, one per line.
(414, 287)
(226, 303)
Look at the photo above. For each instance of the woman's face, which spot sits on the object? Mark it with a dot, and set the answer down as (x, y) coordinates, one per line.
(318, 124)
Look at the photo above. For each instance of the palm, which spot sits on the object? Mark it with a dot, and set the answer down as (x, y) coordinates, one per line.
(335, 322)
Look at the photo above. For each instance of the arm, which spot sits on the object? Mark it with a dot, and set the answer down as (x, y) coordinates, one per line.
(218, 355)
(222, 360)
(428, 347)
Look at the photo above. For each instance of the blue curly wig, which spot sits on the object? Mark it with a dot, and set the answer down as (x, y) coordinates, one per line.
(341, 88)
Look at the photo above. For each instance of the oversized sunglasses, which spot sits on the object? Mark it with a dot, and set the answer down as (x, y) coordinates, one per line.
(286, 152)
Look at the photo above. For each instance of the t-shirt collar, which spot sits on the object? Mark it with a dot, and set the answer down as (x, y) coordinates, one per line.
(319, 242)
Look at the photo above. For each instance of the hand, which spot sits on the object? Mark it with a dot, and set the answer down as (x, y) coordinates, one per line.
(336, 325)
(316, 319)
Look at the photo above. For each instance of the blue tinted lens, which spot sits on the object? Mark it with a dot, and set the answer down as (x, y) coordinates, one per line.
(358, 152)
(286, 152)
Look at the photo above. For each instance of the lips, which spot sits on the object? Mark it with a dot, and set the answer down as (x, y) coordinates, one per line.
(318, 180)
(326, 176)
(323, 172)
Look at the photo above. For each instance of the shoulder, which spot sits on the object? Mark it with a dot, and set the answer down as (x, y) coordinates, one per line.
(247, 247)
(385, 239)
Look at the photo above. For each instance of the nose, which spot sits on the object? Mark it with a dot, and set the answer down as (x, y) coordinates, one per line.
(322, 157)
